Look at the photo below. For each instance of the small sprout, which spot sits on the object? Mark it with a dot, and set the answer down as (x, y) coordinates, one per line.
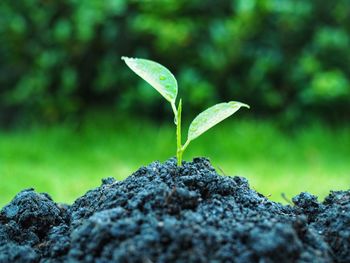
(165, 83)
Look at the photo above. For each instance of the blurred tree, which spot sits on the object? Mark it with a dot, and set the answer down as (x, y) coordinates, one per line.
(290, 58)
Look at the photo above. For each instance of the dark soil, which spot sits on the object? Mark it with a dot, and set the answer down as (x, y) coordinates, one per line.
(162, 213)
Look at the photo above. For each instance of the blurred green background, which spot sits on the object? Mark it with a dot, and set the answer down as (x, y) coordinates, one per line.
(71, 112)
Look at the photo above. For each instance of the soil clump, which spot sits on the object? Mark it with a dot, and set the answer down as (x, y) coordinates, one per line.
(165, 213)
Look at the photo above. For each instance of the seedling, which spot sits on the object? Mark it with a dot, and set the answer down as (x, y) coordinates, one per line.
(160, 78)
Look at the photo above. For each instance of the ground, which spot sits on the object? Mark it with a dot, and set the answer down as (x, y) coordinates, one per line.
(165, 213)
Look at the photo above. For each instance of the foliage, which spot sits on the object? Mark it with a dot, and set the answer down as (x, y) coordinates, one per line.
(290, 58)
(160, 78)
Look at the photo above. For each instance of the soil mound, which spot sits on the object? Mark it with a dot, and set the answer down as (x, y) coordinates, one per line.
(163, 213)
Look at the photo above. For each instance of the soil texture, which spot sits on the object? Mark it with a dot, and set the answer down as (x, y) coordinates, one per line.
(165, 213)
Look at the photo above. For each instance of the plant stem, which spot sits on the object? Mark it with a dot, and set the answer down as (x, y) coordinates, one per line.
(173, 106)
(179, 150)
(183, 148)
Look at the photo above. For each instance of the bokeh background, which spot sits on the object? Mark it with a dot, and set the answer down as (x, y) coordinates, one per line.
(71, 112)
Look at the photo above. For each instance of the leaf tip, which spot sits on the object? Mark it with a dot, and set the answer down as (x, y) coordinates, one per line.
(240, 104)
(125, 58)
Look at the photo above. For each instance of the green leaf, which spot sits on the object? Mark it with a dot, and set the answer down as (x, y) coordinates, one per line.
(212, 116)
(158, 76)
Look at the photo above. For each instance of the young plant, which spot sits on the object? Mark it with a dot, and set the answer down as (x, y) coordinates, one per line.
(165, 83)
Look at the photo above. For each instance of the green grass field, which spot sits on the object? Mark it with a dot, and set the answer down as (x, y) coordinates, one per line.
(66, 161)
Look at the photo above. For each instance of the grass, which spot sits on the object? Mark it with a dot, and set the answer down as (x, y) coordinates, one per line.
(66, 161)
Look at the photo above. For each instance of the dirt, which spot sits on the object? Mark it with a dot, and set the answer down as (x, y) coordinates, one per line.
(163, 213)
